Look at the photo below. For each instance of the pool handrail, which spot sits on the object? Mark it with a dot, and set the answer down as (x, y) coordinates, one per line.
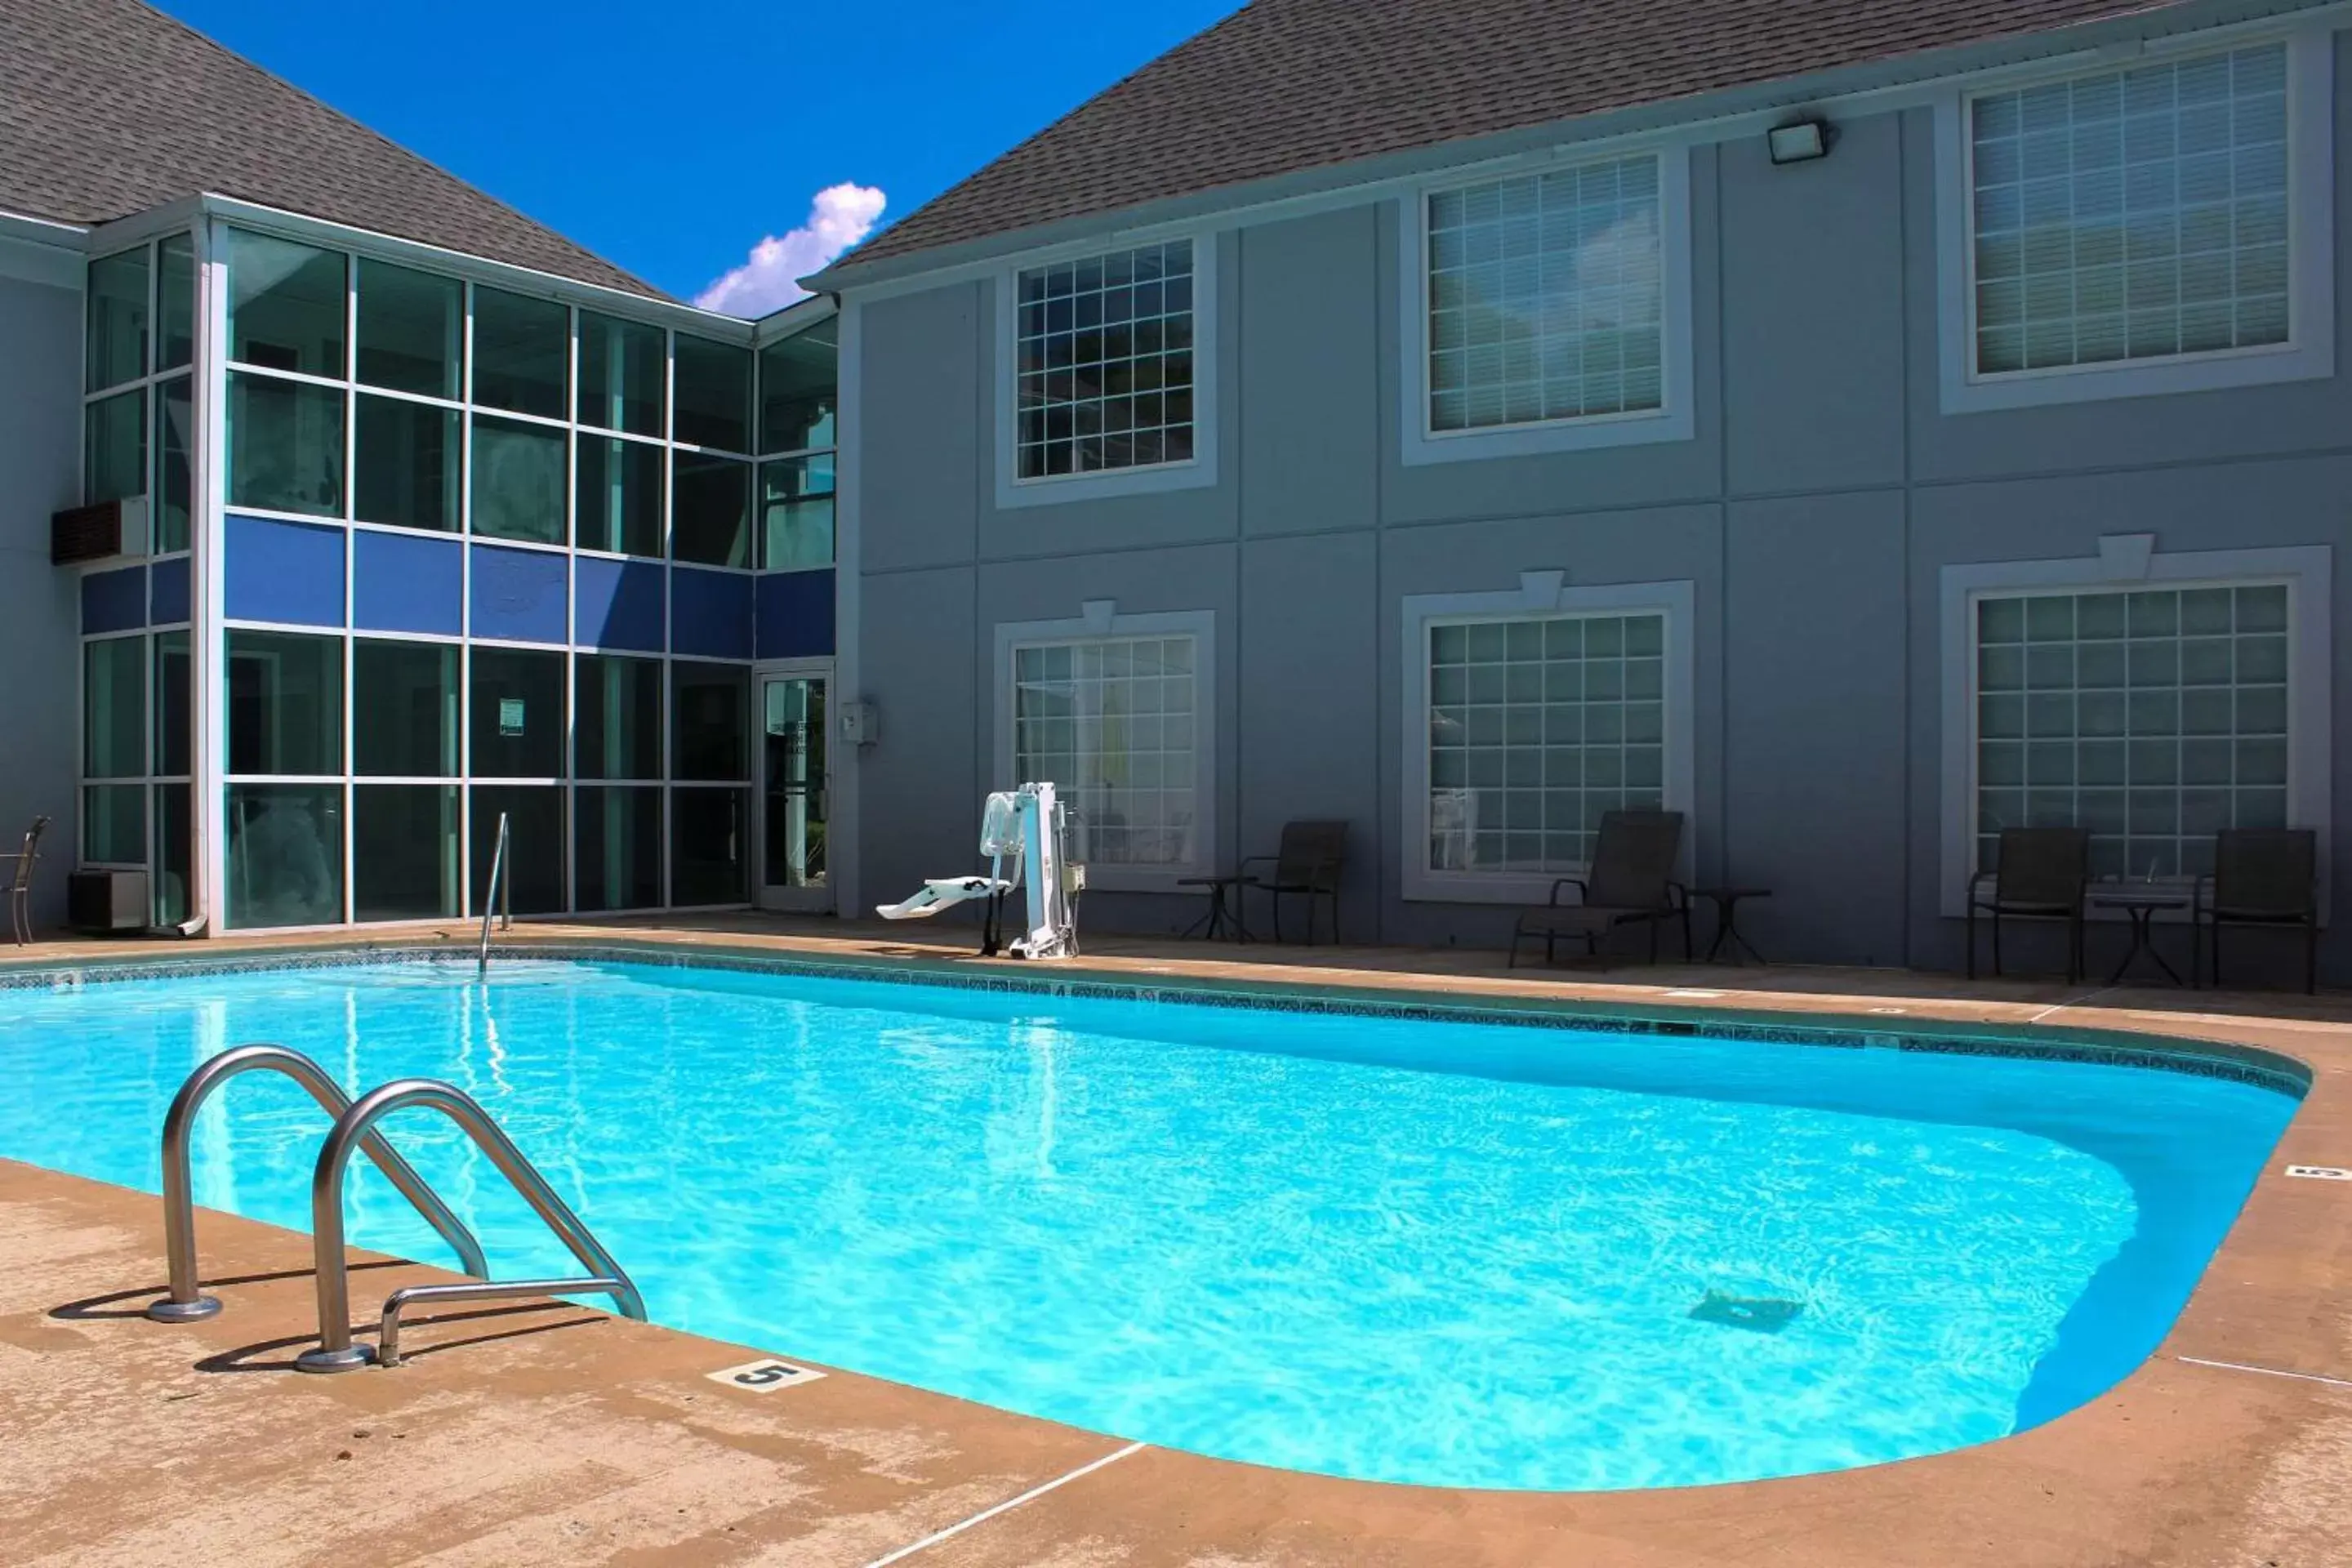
(335, 1352)
(185, 1301)
(498, 896)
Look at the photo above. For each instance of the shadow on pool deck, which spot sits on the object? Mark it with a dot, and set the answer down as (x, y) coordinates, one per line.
(511, 1439)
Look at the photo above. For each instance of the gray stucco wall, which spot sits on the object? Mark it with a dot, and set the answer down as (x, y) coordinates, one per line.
(40, 463)
(1820, 496)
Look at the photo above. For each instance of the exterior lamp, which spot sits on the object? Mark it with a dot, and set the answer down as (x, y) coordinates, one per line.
(1800, 142)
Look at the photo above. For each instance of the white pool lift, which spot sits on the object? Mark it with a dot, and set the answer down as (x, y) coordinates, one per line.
(1029, 827)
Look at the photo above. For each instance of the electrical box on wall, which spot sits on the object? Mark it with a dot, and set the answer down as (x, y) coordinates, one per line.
(861, 723)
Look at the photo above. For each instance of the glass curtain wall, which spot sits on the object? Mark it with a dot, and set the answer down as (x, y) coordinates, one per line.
(800, 380)
(367, 769)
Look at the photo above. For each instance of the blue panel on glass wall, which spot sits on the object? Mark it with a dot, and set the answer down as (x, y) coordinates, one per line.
(518, 595)
(289, 572)
(406, 582)
(795, 614)
(114, 601)
(620, 604)
(711, 613)
(168, 594)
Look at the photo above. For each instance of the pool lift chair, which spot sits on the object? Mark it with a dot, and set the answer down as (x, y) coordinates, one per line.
(1030, 828)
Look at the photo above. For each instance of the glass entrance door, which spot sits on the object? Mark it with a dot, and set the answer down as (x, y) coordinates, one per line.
(793, 789)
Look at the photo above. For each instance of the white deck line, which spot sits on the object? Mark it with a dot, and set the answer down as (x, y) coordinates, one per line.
(2265, 1370)
(984, 1515)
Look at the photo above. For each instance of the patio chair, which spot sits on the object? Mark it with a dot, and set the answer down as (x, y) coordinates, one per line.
(2042, 875)
(1629, 882)
(2260, 876)
(20, 885)
(1307, 863)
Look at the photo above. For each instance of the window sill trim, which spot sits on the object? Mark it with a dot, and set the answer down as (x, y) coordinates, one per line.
(1193, 473)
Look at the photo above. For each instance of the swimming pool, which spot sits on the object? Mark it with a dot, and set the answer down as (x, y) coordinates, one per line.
(1444, 1252)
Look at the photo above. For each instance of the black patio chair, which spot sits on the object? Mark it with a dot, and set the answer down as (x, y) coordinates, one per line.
(2262, 876)
(2043, 876)
(1629, 882)
(1307, 862)
(20, 885)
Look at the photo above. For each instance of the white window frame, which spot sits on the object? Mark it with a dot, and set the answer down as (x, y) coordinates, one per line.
(2309, 353)
(1671, 420)
(1101, 622)
(1539, 594)
(2127, 560)
(1194, 472)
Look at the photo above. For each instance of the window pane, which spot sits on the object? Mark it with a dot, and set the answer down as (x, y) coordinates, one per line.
(285, 444)
(175, 419)
(620, 496)
(621, 371)
(2132, 214)
(174, 855)
(714, 394)
(285, 855)
(407, 692)
(518, 714)
(117, 348)
(518, 481)
(114, 825)
(175, 308)
(618, 734)
(1546, 296)
(174, 731)
(114, 708)
(711, 522)
(1114, 724)
(285, 305)
(799, 389)
(711, 707)
(405, 464)
(405, 852)
(284, 703)
(707, 863)
(620, 847)
(1104, 352)
(535, 846)
(521, 347)
(796, 513)
(412, 330)
(115, 448)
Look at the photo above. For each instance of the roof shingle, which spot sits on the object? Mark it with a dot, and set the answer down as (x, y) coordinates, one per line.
(1287, 84)
(108, 108)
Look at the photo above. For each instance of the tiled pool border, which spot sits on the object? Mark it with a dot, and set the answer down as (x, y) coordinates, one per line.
(2196, 1057)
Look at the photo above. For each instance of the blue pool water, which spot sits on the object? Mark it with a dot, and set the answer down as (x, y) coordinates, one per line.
(1401, 1250)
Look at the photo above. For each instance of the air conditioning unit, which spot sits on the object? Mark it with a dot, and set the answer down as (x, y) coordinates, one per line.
(106, 530)
(105, 901)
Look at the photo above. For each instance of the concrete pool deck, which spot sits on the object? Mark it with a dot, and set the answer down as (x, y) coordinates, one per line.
(557, 1435)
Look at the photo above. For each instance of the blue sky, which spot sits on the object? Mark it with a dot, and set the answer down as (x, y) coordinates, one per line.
(673, 138)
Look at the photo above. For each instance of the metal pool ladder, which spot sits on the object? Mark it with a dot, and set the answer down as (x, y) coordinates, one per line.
(498, 896)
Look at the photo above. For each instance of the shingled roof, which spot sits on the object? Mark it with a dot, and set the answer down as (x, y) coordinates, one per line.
(1288, 85)
(108, 108)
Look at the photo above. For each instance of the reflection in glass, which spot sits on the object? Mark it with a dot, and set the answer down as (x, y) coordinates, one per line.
(407, 694)
(535, 850)
(707, 847)
(173, 731)
(115, 448)
(285, 444)
(714, 394)
(620, 847)
(617, 733)
(167, 892)
(285, 855)
(799, 389)
(620, 496)
(710, 508)
(796, 513)
(176, 303)
(404, 852)
(521, 347)
(792, 721)
(518, 481)
(412, 330)
(285, 305)
(621, 372)
(404, 464)
(114, 825)
(518, 714)
(174, 418)
(709, 708)
(114, 708)
(284, 703)
(116, 349)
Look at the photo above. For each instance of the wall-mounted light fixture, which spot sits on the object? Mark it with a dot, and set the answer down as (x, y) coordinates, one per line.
(1801, 141)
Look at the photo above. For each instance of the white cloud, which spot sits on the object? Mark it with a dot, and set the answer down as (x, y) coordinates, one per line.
(838, 219)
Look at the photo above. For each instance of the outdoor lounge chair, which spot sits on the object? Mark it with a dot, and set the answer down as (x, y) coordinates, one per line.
(20, 885)
(1631, 881)
(2262, 876)
(2042, 875)
(1307, 863)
